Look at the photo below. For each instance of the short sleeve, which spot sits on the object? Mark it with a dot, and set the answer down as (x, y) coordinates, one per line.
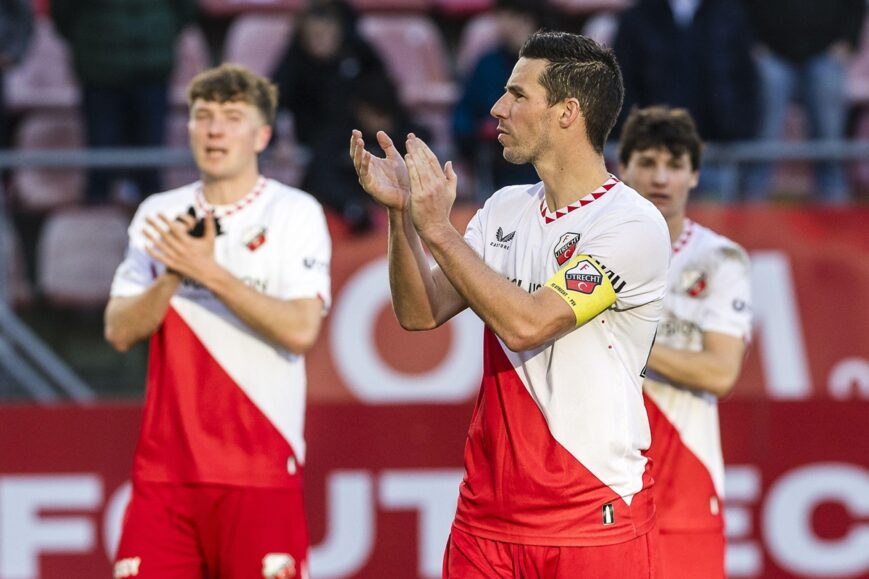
(636, 257)
(309, 256)
(137, 271)
(474, 235)
(727, 307)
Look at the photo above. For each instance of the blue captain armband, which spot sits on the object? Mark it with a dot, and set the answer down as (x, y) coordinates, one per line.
(584, 285)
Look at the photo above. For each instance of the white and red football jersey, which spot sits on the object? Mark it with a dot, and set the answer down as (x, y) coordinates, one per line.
(555, 447)
(223, 405)
(708, 291)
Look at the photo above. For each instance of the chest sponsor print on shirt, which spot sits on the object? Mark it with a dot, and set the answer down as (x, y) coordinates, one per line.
(502, 240)
(254, 237)
(583, 277)
(566, 247)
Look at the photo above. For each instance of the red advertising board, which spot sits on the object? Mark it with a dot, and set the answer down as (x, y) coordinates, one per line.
(389, 410)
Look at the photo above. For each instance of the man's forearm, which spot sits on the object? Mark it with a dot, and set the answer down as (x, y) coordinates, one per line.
(292, 324)
(414, 290)
(129, 320)
(521, 319)
(703, 371)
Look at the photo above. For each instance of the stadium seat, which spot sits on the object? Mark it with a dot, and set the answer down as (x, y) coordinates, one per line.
(258, 41)
(478, 36)
(858, 70)
(414, 52)
(235, 7)
(602, 27)
(191, 58)
(45, 78)
(77, 254)
(463, 8)
(585, 7)
(39, 189)
(392, 5)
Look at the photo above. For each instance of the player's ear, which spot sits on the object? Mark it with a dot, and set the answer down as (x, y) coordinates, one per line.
(570, 112)
(264, 135)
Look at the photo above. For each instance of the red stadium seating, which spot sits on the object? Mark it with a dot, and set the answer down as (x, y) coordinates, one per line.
(78, 252)
(46, 189)
(45, 77)
(257, 41)
(233, 7)
(415, 54)
(392, 5)
(478, 36)
(583, 7)
(463, 8)
(191, 58)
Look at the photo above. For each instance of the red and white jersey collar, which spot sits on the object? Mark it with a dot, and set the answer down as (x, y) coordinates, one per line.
(685, 237)
(222, 211)
(550, 216)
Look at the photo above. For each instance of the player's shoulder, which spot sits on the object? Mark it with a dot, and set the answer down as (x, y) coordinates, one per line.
(628, 206)
(169, 202)
(512, 194)
(293, 198)
(719, 246)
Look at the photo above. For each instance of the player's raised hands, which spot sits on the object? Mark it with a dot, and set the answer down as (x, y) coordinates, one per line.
(433, 189)
(385, 179)
(171, 243)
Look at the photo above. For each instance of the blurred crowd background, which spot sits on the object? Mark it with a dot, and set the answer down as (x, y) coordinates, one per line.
(93, 113)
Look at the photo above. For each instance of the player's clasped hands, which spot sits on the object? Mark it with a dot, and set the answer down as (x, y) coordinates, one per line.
(416, 181)
(171, 243)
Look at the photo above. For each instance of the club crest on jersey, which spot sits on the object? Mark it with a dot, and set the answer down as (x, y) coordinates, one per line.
(694, 283)
(502, 239)
(279, 566)
(565, 247)
(254, 237)
(583, 277)
(128, 567)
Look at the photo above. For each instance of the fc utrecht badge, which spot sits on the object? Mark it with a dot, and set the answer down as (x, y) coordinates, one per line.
(694, 283)
(583, 277)
(254, 236)
(565, 247)
(279, 566)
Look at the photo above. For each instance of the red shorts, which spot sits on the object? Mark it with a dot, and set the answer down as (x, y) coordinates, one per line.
(691, 555)
(195, 531)
(470, 557)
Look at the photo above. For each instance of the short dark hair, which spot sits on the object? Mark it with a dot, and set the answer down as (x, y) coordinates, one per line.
(581, 68)
(233, 82)
(658, 127)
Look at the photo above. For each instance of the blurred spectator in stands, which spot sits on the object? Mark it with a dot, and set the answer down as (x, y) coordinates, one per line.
(374, 105)
(16, 28)
(123, 52)
(317, 73)
(803, 50)
(693, 54)
(474, 129)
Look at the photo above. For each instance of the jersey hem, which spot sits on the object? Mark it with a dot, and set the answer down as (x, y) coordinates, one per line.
(584, 540)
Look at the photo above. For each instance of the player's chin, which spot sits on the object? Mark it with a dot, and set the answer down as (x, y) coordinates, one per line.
(515, 157)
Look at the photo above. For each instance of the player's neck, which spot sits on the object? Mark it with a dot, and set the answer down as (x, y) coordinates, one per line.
(568, 180)
(676, 225)
(229, 190)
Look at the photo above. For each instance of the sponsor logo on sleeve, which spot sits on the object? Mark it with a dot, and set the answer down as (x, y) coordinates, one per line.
(566, 247)
(254, 237)
(502, 240)
(279, 566)
(583, 277)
